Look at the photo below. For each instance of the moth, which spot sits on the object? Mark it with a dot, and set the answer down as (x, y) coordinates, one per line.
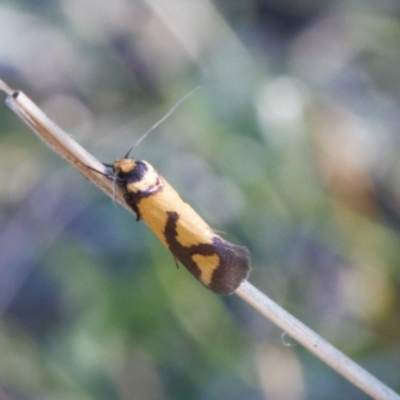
(219, 265)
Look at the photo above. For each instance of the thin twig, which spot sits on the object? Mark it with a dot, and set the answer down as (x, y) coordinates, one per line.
(61, 142)
(315, 343)
(71, 151)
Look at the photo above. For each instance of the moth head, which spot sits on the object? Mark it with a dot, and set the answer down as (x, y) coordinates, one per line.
(123, 167)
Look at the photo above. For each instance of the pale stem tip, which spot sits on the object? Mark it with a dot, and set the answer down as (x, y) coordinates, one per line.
(5, 88)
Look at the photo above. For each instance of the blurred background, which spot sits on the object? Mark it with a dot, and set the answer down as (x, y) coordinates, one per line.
(291, 148)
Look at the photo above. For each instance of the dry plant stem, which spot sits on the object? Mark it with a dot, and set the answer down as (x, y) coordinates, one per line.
(71, 151)
(316, 344)
(61, 142)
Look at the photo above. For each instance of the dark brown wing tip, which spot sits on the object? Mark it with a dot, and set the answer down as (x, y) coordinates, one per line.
(233, 269)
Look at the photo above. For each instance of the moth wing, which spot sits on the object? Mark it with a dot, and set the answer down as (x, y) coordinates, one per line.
(233, 269)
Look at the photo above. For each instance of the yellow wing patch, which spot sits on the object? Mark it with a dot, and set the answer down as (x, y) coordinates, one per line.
(191, 228)
(207, 266)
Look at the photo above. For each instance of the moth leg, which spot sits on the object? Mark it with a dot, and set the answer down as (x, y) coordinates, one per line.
(128, 199)
(176, 262)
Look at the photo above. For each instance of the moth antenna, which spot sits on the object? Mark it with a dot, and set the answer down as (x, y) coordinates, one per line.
(129, 151)
(100, 172)
(168, 114)
(114, 178)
